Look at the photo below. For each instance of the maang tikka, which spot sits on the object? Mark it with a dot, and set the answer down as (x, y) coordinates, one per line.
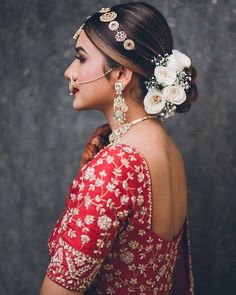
(119, 106)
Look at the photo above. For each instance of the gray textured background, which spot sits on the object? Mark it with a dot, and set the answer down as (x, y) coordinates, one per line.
(42, 136)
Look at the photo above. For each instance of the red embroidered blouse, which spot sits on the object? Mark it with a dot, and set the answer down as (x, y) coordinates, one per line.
(103, 242)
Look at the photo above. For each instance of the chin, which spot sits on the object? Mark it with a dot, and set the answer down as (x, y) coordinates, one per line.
(79, 106)
(87, 103)
(78, 103)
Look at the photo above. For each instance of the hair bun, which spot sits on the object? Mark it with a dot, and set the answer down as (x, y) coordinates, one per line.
(191, 94)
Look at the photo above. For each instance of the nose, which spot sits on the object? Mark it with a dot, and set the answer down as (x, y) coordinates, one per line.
(70, 71)
(67, 74)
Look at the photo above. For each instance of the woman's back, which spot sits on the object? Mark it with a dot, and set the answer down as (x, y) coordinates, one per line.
(169, 192)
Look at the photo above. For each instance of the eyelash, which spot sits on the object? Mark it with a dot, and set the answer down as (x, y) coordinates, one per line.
(80, 58)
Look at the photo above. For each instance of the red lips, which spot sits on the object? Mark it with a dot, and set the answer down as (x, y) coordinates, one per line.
(75, 90)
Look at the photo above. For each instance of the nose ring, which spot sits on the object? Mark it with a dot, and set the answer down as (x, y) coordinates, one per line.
(71, 84)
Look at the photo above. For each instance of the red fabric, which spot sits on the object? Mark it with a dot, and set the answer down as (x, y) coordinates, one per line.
(103, 242)
(183, 281)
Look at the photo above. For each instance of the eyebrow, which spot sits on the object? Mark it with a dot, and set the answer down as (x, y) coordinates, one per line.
(77, 49)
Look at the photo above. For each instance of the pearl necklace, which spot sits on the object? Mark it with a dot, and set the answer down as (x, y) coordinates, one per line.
(116, 135)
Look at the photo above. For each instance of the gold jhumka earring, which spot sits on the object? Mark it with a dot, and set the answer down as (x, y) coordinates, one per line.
(119, 106)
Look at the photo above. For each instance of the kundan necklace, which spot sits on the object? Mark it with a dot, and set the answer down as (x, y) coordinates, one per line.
(116, 135)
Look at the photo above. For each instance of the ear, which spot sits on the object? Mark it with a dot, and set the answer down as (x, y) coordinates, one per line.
(123, 75)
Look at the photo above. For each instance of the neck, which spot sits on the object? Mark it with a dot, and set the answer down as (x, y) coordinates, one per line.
(132, 114)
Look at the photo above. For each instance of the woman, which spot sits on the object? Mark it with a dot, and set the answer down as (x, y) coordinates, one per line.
(125, 229)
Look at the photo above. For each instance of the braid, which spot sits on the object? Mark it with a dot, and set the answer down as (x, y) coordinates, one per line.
(97, 141)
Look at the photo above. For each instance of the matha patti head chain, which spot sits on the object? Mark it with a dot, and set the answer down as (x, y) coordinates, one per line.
(108, 16)
(168, 85)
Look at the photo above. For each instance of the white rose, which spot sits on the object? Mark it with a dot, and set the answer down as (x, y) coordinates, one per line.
(154, 101)
(174, 94)
(165, 75)
(178, 61)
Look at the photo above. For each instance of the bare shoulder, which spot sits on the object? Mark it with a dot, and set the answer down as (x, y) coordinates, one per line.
(157, 147)
(152, 140)
(167, 173)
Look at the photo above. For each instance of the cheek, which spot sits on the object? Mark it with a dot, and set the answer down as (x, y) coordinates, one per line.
(89, 70)
(99, 91)
(99, 87)
(86, 73)
(96, 95)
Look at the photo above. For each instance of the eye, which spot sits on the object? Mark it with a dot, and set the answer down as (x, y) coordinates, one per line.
(80, 58)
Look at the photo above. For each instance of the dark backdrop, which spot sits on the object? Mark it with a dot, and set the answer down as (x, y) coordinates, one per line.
(42, 136)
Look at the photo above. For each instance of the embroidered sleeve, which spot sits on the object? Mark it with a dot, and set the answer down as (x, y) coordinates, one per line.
(99, 202)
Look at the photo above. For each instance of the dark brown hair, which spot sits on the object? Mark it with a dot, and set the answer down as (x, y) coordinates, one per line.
(147, 27)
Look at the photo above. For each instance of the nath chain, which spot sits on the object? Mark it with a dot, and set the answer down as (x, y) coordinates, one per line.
(73, 84)
(92, 80)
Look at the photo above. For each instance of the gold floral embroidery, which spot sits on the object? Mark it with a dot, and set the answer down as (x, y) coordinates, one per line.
(103, 243)
(81, 269)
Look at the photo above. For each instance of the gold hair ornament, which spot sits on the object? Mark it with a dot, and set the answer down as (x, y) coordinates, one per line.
(109, 16)
(78, 32)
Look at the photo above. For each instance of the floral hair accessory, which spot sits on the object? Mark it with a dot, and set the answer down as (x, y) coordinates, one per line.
(168, 85)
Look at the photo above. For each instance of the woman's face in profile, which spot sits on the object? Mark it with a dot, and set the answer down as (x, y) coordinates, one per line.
(88, 64)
